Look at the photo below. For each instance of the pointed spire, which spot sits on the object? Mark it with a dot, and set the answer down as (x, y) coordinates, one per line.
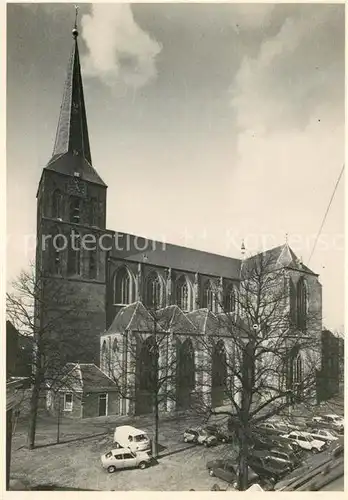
(71, 152)
(72, 131)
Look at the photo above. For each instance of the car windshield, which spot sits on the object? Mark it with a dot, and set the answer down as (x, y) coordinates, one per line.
(140, 437)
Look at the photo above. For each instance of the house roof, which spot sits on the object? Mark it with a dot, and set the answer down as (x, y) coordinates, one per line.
(14, 391)
(85, 377)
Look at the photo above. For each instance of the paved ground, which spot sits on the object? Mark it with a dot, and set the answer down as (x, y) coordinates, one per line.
(76, 462)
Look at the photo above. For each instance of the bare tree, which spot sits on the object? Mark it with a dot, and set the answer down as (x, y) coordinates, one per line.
(42, 310)
(272, 354)
(142, 359)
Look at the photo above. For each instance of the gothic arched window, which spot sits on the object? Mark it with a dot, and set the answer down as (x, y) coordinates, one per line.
(230, 299)
(115, 346)
(74, 254)
(57, 204)
(75, 209)
(208, 296)
(301, 299)
(153, 290)
(183, 294)
(123, 282)
(292, 293)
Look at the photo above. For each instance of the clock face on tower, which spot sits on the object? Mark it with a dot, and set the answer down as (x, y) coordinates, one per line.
(77, 186)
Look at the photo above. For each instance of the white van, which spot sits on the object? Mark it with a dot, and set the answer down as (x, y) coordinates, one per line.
(134, 439)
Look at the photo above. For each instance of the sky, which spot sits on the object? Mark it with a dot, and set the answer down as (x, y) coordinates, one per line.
(209, 123)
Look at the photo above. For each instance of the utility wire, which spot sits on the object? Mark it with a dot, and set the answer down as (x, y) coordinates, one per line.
(327, 211)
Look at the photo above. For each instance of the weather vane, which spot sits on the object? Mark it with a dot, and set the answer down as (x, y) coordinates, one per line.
(76, 14)
(74, 31)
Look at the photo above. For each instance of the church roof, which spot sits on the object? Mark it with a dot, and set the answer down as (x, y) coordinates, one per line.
(137, 318)
(280, 257)
(173, 319)
(163, 254)
(133, 317)
(205, 321)
(71, 152)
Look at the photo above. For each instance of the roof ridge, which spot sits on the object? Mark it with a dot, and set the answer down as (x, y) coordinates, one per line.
(107, 376)
(135, 308)
(80, 373)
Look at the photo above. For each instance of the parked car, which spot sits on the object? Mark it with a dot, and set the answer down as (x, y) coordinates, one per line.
(289, 424)
(122, 458)
(191, 435)
(268, 467)
(283, 456)
(335, 421)
(136, 440)
(206, 438)
(267, 425)
(227, 470)
(324, 435)
(268, 441)
(305, 441)
(219, 433)
(200, 436)
(330, 421)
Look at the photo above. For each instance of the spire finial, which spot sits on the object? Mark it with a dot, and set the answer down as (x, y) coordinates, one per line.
(242, 249)
(286, 238)
(75, 31)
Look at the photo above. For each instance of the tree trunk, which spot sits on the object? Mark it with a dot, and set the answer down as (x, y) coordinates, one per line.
(34, 404)
(243, 459)
(58, 419)
(155, 441)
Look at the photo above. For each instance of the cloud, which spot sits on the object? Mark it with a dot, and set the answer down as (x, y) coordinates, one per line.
(252, 16)
(118, 49)
(294, 72)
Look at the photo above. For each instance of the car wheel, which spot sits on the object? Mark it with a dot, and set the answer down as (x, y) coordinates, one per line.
(206, 444)
(185, 440)
(142, 465)
(111, 469)
(315, 450)
(211, 473)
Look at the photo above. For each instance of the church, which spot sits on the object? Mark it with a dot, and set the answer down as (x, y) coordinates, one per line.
(120, 278)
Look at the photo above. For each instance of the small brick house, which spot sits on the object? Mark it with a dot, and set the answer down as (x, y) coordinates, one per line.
(84, 392)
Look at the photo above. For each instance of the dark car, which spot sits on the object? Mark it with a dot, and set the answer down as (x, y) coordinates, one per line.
(219, 433)
(268, 441)
(281, 455)
(270, 467)
(227, 470)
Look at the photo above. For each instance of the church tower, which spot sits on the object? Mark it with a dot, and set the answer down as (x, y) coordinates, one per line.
(71, 218)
